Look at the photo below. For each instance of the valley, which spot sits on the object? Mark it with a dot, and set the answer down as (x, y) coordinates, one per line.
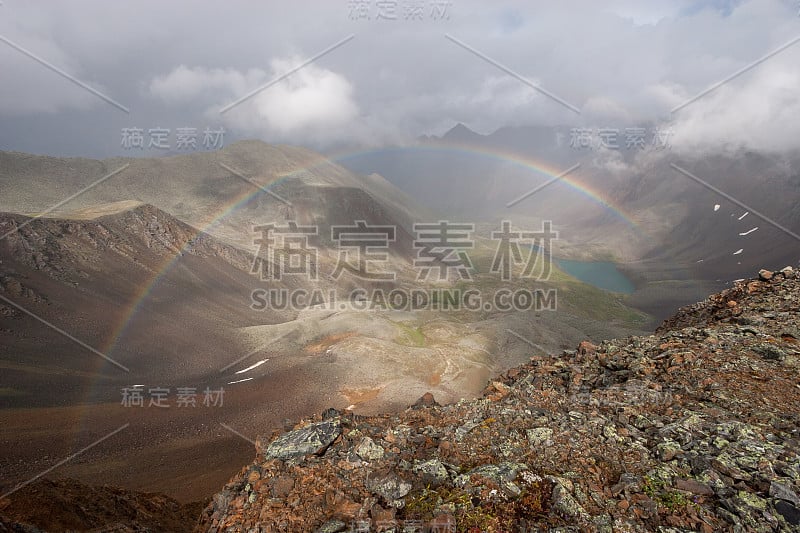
(160, 306)
(379, 266)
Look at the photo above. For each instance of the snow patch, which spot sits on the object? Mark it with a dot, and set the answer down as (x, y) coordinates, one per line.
(251, 367)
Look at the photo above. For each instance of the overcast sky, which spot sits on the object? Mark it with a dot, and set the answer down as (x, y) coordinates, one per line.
(178, 64)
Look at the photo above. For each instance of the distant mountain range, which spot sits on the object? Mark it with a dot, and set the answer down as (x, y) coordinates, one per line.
(628, 203)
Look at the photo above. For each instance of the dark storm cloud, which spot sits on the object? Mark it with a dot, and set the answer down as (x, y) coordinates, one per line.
(177, 64)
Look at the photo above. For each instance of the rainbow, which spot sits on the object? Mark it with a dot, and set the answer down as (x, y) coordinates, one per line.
(513, 158)
(243, 199)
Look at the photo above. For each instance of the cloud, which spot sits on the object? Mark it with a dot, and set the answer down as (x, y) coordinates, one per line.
(311, 99)
(312, 104)
(620, 62)
(29, 87)
(606, 110)
(759, 113)
(185, 84)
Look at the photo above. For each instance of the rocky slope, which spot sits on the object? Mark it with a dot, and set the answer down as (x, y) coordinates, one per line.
(68, 505)
(172, 304)
(60, 245)
(80, 271)
(216, 191)
(692, 428)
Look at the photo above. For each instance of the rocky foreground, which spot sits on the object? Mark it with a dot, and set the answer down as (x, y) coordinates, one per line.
(68, 505)
(693, 428)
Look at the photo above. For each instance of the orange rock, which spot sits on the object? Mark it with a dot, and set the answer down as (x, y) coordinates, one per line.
(426, 400)
(670, 345)
(586, 348)
(379, 514)
(330, 497)
(347, 509)
(501, 387)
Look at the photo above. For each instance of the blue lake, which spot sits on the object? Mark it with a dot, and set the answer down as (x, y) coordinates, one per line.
(601, 274)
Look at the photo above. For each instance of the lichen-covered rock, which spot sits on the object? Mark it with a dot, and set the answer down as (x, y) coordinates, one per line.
(312, 439)
(538, 436)
(565, 504)
(367, 450)
(782, 491)
(432, 472)
(388, 485)
(332, 526)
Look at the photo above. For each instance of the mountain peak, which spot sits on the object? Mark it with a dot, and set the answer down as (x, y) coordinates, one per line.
(460, 132)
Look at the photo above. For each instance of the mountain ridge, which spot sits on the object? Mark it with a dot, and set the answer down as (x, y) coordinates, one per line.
(174, 306)
(644, 433)
(641, 433)
(217, 191)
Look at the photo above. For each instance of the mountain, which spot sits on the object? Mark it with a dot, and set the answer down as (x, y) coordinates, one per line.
(110, 297)
(74, 506)
(706, 229)
(693, 428)
(219, 192)
(87, 273)
(461, 133)
(123, 295)
(679, 224)
(105, 302)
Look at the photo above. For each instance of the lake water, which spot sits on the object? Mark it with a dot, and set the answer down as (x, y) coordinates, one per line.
(601, 274)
